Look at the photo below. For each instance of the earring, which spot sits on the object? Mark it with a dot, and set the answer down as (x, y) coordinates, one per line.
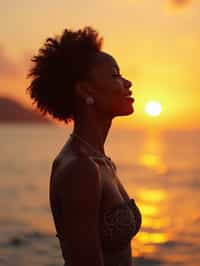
(89, 100)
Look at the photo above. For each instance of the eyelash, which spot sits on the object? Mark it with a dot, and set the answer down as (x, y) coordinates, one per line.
(117, 75)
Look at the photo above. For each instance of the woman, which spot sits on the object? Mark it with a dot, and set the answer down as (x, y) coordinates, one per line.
(73, 80)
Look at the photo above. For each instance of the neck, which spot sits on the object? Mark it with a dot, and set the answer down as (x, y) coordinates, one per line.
(93, 130)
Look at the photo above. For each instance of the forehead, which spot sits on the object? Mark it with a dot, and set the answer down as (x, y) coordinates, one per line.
(104, 61)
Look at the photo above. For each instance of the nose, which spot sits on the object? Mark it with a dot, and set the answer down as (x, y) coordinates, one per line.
(127, 83)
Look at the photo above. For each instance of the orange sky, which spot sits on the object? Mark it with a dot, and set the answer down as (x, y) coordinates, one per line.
(155, 42)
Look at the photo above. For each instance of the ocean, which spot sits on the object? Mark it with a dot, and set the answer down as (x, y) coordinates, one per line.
(160, 170)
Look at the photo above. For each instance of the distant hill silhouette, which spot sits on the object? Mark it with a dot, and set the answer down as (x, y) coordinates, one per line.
(12, 111)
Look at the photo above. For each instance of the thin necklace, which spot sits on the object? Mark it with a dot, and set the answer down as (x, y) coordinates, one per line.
(104, 157)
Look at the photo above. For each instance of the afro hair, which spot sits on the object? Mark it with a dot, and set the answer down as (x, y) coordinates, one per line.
(60, 63)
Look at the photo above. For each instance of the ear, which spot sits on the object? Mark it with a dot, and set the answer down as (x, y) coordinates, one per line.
(83, 89)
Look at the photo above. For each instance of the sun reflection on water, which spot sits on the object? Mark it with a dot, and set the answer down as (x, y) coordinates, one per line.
(152, 238)
(154, 224)
(153, 161)
(152, 195)
(148, 210)
(151, 154)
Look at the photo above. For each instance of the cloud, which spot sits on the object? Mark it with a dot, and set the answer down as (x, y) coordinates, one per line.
(8, 67)
(179, 4)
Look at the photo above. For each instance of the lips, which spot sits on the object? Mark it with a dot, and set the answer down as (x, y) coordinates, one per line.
(127, 96)
(130, 99)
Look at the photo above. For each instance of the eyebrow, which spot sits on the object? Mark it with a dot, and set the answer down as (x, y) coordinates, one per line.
(116, 66)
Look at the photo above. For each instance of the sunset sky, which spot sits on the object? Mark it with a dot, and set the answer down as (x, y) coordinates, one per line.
(155, 42)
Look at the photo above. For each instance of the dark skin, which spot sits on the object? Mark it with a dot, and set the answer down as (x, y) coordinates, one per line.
(81, 188)
(107, 88)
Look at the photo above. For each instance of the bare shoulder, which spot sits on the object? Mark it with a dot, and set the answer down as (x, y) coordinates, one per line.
(76, 179)
(80, 195)
(77, 167)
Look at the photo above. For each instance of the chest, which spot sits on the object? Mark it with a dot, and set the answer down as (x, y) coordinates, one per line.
(113, 192)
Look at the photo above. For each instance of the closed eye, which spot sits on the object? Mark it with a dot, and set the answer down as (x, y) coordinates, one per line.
(117, 75)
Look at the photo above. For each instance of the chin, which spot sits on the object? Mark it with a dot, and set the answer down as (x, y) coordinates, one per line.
(130, 112)
(127, 111)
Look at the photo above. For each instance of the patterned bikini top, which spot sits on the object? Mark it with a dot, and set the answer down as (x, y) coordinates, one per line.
(119, 224)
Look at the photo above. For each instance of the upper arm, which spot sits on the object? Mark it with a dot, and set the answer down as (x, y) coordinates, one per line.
(80, 195)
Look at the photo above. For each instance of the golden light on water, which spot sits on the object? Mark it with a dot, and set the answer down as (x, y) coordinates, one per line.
(150, 160)
(148, 210)
(153, 108)
(153, 161)
(149, 201)
(153, 223)
(151, 154)
(153, 195)
(155, 238)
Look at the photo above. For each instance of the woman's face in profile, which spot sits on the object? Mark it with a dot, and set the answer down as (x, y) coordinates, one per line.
(110, 88)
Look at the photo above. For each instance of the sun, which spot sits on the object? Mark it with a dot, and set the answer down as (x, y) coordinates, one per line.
(153, 108)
